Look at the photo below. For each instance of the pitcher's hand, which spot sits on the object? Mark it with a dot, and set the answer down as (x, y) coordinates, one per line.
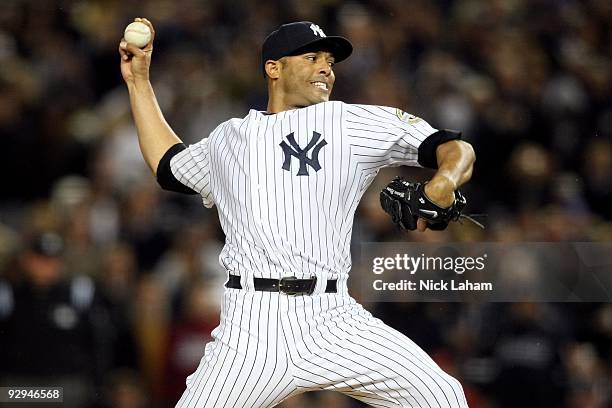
(135, 62)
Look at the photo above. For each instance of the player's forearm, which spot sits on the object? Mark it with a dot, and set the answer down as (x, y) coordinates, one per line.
(455, 164)
(155, 136)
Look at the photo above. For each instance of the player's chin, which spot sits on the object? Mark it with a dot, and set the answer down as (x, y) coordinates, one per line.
(322, 96)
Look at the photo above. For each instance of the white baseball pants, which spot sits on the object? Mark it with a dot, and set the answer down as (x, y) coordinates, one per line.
(270, 346)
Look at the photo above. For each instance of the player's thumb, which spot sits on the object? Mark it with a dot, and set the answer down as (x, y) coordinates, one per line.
(421, 225)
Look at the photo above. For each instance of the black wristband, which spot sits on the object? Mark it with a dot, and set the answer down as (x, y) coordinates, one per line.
(165, 178)
(427, 149)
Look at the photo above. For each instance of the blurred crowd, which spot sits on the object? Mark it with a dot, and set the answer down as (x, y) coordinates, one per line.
(110, 286)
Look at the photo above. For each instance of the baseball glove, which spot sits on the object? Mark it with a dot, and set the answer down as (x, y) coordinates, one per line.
(406, 202)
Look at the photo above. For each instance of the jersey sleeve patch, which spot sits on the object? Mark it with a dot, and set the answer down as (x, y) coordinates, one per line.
(406, 117)
(166, 178)
(427, 149)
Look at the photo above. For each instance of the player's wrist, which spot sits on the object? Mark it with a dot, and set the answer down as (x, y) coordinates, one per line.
(139, 84)
(142, 79)
(441, 191)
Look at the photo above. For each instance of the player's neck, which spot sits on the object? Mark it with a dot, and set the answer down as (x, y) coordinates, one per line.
(275, 106)
(280, 102)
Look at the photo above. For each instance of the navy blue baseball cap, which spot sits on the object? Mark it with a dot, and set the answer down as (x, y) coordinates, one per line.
(293, 38)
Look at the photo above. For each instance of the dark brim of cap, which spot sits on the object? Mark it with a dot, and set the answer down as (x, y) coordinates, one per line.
(340, 47)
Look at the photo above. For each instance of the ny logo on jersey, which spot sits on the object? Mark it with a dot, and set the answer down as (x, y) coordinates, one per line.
(301, 154)
(317, 30)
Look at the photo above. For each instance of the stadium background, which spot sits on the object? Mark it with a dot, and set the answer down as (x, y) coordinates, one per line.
(528, 82)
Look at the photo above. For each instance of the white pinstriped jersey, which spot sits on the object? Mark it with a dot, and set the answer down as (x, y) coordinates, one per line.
(287, 185)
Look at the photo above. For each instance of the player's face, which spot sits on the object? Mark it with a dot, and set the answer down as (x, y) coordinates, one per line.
(307, 78)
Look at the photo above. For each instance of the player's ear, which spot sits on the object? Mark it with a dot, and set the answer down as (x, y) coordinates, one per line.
(273, 68)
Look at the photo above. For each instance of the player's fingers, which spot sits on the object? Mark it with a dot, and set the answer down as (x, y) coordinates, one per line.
(150, 25)
(131, 49)
(147, 22)
(123, 51)
(421, 225)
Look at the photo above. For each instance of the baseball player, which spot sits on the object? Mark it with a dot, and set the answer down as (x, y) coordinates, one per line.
(286, 183)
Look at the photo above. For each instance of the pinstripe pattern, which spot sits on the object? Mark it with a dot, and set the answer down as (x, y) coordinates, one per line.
(352, 352)
(278, 223)
(246, 364)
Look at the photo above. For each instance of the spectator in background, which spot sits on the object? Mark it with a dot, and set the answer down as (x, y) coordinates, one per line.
(188, 335)
(151, 322)
(125, 389)
(598, 176)
(526, 348)
(117, 280)
(53, 331)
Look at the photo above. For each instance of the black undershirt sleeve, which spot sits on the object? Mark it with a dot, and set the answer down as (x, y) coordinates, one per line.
(165, 178)
(427, 149)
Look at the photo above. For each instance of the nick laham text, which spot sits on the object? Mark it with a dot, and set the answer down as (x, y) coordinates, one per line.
(432, 285)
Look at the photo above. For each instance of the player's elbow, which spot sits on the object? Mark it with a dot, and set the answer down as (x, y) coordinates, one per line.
(153, 167)
(456, 151)
(468, 157)
(458, 157)
(467, 152)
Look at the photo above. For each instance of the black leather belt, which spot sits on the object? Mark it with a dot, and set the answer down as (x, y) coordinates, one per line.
(290, 285)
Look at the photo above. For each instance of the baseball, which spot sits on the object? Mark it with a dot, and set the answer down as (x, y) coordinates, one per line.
(137, 33)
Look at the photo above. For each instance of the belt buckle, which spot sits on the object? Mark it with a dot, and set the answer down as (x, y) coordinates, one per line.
(285, 286)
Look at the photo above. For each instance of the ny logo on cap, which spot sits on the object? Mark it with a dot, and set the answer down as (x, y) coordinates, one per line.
(301, 154)
(317, 30)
